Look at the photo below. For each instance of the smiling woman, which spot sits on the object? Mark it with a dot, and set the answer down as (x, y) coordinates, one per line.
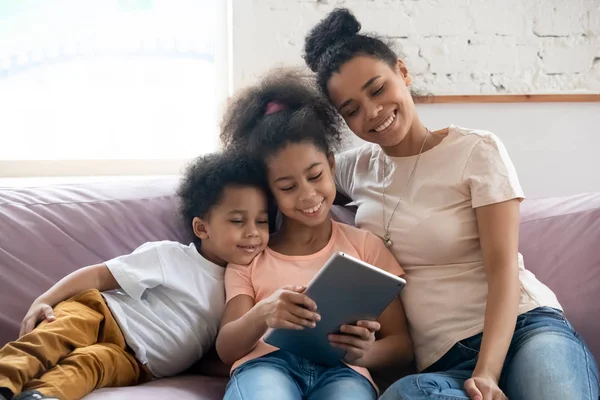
(112, 87)
(446, 202)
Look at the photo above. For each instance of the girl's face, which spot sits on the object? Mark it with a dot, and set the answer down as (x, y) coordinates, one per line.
(374, 99)
(300, 177)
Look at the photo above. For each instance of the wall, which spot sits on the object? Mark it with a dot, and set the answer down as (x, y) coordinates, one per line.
(543, 46)
(554, 146)
(451, 46)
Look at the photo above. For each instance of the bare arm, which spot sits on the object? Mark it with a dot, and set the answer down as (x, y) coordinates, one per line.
(92, 277)
(241, 329)
(499, 235)
(244, 322)
(394, 347)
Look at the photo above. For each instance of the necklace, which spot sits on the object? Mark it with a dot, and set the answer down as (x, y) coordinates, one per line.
(386, 227)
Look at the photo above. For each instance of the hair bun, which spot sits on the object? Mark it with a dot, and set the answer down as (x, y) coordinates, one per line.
(339, 25)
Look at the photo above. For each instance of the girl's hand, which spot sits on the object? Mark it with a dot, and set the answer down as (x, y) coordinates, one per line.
(484, 388)
(289, 308)
(356, 340)
(37, 312)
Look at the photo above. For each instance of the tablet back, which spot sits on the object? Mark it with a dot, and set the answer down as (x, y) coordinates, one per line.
(346, 290)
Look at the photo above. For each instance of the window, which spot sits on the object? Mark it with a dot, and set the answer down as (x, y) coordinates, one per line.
(109, 87)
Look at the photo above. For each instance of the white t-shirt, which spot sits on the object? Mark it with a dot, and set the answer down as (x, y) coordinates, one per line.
(170, 305)
(434, 230)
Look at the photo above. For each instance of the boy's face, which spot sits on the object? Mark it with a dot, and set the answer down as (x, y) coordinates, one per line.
(236, 229)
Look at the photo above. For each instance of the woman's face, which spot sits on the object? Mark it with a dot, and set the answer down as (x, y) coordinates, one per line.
(300, 178)
(374, 99)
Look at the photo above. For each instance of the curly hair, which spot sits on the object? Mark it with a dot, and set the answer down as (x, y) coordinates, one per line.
(205, 180)
(302, 115)
(335, 40)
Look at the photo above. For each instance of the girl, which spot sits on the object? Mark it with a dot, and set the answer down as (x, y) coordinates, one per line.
(288, 125)
(447, 204)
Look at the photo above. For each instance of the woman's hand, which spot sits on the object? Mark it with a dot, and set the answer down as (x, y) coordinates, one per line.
(484, 388)
(356, 340)
(289, 308)
(37, 312)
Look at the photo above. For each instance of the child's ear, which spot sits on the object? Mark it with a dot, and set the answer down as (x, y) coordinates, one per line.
(200, 228)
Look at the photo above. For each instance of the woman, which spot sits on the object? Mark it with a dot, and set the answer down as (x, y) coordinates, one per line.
(447, 204)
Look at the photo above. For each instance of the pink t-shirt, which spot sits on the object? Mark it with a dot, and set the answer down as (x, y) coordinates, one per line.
(270, 271)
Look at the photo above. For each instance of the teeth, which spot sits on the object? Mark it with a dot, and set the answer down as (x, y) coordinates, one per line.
(313, 209)
(249, 249)
(386, 123)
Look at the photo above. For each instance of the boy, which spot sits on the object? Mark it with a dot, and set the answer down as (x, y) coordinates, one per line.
(152, 313)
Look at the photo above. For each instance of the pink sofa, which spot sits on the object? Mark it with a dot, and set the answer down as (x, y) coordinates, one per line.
(49, 230)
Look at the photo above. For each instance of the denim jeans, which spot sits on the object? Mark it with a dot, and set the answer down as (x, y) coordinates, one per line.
(547, 360)
(282, 376)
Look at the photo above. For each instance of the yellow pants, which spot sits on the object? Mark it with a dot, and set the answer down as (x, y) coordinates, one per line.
(82, 350)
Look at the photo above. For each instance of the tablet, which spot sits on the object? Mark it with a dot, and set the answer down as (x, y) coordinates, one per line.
(346, 290)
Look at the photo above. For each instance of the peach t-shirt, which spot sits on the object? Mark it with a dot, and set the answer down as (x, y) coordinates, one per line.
(270, 271)
(434, 230)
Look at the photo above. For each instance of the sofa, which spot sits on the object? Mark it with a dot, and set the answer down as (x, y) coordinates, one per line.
(48, 230)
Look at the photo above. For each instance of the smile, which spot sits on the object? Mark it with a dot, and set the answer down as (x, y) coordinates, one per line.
(385, 124)
(315, 209)
(248, 249)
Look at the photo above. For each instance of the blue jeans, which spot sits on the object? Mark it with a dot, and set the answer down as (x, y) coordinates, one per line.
(282, 376)
(547, 360)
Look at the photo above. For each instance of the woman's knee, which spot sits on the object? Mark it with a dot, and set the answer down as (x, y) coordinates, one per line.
(552, 365)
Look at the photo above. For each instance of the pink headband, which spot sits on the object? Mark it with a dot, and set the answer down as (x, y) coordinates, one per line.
(273, 107)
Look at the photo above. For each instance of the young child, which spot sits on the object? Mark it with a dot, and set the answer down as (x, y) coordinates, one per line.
(292, 128)
(151, 313)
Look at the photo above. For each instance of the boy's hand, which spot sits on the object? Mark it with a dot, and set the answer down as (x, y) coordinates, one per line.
(289, 308)
(37, 312)
(356, 340)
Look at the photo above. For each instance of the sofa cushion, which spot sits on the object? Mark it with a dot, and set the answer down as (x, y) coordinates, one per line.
(48, 231)
(560, 242)
(180, 388)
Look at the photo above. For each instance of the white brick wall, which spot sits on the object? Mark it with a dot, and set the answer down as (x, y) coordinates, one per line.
(451, 46)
